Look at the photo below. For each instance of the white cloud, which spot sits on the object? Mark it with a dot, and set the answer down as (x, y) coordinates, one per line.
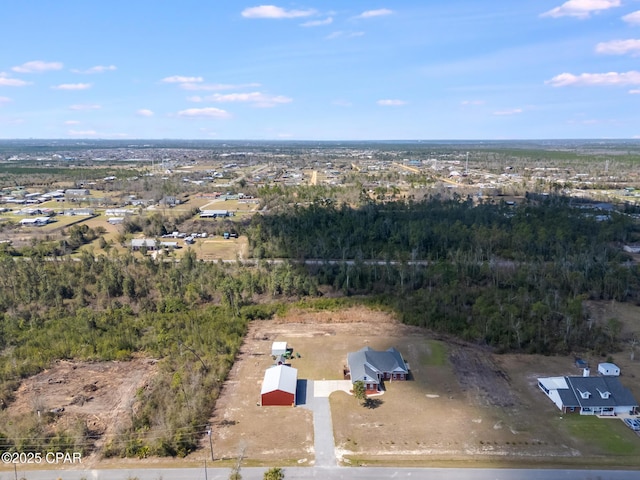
(581, 8)
(209, 112)
(391, 102)
(599, 79)
(341, 34)
(213, 87)
(96, 69)
(83, 133)
(4, 100)
(72, 122)
(375, 13)
(634, 91)
(72, 86)
(144, 112)
(5, 81)
(633, 18)
(37, 66)
(619, 47)
(181, 79)
(513, 111)
(271, 11)
(317, 23)
(195, 99)
(472, 102)
(85, 106)
(259, 99)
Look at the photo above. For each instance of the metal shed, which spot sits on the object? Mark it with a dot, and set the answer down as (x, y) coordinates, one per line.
(278, 348)
(279, 386)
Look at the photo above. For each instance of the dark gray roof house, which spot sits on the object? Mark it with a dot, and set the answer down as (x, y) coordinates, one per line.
(589, 395)
(372, 366)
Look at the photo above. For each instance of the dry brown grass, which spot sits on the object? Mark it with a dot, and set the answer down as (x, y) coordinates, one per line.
(482, 410)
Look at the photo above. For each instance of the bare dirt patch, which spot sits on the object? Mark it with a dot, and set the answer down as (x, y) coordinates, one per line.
(101, 395)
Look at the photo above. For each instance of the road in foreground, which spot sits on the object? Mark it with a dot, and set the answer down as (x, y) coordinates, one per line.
(329, 473)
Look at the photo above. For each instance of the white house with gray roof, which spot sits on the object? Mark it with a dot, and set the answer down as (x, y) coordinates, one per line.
(589, 395)
(373, 366)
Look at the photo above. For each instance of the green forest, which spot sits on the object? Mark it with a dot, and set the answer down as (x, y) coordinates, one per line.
(512, 278)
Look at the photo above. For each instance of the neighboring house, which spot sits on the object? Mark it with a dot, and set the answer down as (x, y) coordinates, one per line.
(79, 211)
(115, 220)
(34, 222)
(170, 201)
(631, 248)
(215, 213)
(118, 212)
(372, 367)
(589, 395)
(148, 243)
(279, 386)
(76, 192)
(609, 369)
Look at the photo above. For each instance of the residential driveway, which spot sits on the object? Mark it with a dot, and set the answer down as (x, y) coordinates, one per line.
(317, 400)
(324, 388)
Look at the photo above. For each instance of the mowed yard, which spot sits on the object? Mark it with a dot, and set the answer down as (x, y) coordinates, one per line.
(462, 406)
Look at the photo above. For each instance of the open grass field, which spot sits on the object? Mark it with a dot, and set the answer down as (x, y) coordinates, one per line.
(463, 406)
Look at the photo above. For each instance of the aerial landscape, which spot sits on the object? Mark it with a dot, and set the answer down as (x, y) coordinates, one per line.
(320, 241)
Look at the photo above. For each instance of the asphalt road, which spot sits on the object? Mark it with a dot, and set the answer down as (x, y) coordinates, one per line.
(327, 473)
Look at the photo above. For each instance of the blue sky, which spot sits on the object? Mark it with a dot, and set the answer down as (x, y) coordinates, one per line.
(320, 70)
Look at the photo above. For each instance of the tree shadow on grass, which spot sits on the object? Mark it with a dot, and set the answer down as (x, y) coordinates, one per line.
(373, 403)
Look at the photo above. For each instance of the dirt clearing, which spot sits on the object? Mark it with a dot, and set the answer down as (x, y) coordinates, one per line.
(463, 403)
(101, 395)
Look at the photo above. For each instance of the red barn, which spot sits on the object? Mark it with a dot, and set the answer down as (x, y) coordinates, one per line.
(279, 386)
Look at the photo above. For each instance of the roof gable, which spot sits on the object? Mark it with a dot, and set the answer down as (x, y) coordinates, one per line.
(366, 364)
(282, 378)
(601, 392)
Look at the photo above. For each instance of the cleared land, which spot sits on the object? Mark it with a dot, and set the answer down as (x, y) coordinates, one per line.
(463, 405)
(100, 395)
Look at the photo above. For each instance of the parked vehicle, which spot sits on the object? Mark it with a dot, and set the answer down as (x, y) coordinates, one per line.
(632, 423)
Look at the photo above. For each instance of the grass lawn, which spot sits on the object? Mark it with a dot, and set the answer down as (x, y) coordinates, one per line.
(602, 435)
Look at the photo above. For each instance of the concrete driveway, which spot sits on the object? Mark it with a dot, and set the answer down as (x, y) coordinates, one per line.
(316, 399)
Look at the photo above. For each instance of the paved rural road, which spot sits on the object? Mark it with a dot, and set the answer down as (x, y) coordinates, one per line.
(328, 473)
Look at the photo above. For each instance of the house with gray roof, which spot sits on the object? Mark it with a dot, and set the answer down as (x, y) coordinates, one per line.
(148, 243)
(589, 395)
(372, 367)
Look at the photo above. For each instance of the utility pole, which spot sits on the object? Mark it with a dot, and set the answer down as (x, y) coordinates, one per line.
(209, 432)
(205, 470)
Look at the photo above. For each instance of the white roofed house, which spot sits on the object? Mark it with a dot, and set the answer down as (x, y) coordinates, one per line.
(34, 222)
